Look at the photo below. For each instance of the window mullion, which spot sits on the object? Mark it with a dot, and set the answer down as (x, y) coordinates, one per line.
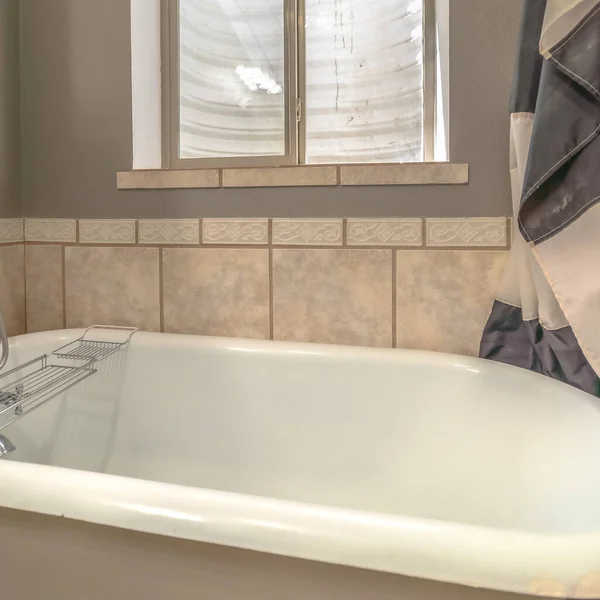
(291, 78)
(429, 79)
(301, 95)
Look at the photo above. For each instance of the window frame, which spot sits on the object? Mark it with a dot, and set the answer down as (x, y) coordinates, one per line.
(294, 92)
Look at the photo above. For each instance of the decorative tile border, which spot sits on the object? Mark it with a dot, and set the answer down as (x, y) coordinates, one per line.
(11, 231)
(308, 232)
(474, 232)
(492, 233)
(385, 232)
(169, 231)
(50, 230)
(235, 231)
(112, 231)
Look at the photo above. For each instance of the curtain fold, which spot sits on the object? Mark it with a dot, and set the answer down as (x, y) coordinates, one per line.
(547, 314)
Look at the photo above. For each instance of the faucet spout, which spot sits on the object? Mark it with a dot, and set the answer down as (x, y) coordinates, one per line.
(6, 446)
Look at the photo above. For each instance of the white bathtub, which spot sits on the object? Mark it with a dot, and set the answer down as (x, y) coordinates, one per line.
(426, 465)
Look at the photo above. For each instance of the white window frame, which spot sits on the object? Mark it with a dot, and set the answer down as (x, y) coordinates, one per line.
(294, 90)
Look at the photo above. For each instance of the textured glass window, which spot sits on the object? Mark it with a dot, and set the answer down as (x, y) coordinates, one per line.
(231, 72)
(364, 81)
(360, 93)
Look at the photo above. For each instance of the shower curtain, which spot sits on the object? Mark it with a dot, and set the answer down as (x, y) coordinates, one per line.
(547, 314)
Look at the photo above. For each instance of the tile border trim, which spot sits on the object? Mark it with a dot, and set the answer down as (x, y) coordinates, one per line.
(12, 231)
(478, 233)
(385, 232)
(235, 231)
(51, 230)
(474, 232)
(107, 231)
(308, 232)
(168, 231)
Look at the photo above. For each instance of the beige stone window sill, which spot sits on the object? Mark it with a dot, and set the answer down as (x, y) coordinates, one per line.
(440, 173)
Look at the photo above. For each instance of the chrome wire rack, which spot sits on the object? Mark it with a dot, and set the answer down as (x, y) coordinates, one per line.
(89, 347)
(29, 386)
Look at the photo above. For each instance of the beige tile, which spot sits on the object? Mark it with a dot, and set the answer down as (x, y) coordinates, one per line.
(488, 232)
(12, 288)
(112, 286)
(211, 291)
(44, 288)
(444, 298)
(333, 296)
(280, 176)
(164, 179)
(405, 174)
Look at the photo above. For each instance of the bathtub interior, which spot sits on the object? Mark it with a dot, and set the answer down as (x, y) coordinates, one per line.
(397, 432)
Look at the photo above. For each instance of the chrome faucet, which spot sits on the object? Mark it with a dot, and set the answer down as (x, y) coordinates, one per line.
(4, 342)
(7, 400)
(6, 446)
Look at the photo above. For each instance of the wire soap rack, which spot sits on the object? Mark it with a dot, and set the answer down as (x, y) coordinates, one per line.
(29, 386)
(87, 348)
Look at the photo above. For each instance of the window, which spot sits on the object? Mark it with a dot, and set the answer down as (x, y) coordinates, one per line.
(280, 82)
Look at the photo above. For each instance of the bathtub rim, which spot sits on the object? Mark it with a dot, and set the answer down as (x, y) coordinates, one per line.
(270, 347)
(561, 565)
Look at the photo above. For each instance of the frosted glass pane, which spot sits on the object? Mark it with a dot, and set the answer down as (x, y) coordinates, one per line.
(231, 78)
(364, 81)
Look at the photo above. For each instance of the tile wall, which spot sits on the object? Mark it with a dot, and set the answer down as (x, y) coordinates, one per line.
(12, 275)
(411, 283)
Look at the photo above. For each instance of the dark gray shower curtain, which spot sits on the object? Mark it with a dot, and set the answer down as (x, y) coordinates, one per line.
(547, 314)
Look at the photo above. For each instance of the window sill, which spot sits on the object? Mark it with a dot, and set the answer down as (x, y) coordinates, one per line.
(441, 173)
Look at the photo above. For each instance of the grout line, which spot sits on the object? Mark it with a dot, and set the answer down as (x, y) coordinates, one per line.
(220, 171)
(271, 296)
(137, 232)
(459, 248)
(201, 232)
(344, 233)
(64, 286)
(338, 174)
(424, 233)
(77, 238)
(217, 246)
(354, 246)
(25, 287)
(161, 302)
(394, 299)
(271, 289)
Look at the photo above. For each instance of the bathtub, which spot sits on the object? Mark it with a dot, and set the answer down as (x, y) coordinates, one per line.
(413, 467)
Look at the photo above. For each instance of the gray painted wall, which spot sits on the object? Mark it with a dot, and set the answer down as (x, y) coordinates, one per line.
(10, 176)
(76, 133)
